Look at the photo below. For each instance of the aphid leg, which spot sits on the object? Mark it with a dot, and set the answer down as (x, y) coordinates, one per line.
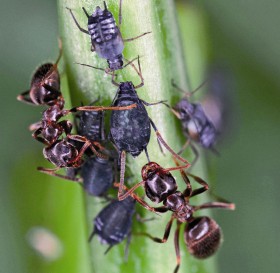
(139, 72)
(153, 103)
(196, 153)
(166, 233)
(222, 205)
(91, 236)
(52, 172)
(134, 38)
(185, 146)
(76, 22)
(120, 14)
(177, 246)
(166, 145)
(126, 250)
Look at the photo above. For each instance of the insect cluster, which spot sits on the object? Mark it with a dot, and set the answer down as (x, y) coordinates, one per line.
(98, 161)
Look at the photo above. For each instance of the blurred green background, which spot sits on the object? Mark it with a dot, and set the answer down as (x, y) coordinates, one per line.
(242, 38)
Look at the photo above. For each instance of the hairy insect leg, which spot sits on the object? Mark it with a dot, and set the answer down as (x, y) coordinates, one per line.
(166, 233)
(166, 145)
(211, 205)
(76, 22)
(136, 37)
(102, 108)
(52, 172)
(177, 246)
(136, 197)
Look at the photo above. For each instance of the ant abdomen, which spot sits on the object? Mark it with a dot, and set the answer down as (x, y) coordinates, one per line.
(203, 237)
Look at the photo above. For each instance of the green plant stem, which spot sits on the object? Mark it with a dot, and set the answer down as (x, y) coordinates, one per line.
(161, 61)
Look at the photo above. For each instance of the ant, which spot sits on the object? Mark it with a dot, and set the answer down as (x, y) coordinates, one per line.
(202, 234)
(130, 130)
(105, 35)
(196, 125)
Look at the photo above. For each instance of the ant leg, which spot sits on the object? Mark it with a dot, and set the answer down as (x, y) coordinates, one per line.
(102, 108)
(177, 246)
(166, 145)
(222, 205)
(52, 172)
(166, 233)
(25, 98)
(134, 38)
(204, 187)
(66, 125)
(87, 144)
(40, 139)
(76, 22)
(35, 126)
(122, 173)
(136, 197)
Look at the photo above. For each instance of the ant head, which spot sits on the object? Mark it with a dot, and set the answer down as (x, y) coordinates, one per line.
(203, 237)
(149, 169)
(60, 153)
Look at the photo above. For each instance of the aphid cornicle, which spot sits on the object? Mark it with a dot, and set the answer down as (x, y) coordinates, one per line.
(113, 223)
(106, 38)
(202, 234)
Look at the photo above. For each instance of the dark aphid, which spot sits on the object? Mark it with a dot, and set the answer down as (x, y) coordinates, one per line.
(45, 85)
(202, 234)
(98, 175)
(196, 125)
(130, 130)
(113, 224)
(105, 35)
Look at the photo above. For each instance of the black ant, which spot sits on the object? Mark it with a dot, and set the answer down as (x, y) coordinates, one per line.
(202, 234)
(105, 35)
(196, 125)
(130, 130)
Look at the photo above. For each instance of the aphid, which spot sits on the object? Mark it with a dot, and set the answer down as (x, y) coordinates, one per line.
(113, 223)
(130, 130)
(196, 125)
(105, 35)
(45, 85)
(202, 234)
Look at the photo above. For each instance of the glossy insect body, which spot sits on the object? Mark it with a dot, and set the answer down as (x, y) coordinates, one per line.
(196, 124)
(106, 38)
(45, 85)
(113, 224)
(202, 234)
(130, 130)
(98, 175)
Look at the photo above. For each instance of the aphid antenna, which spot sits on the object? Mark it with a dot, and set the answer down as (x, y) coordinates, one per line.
(86, 13)
(188, 94)
(139, 72)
